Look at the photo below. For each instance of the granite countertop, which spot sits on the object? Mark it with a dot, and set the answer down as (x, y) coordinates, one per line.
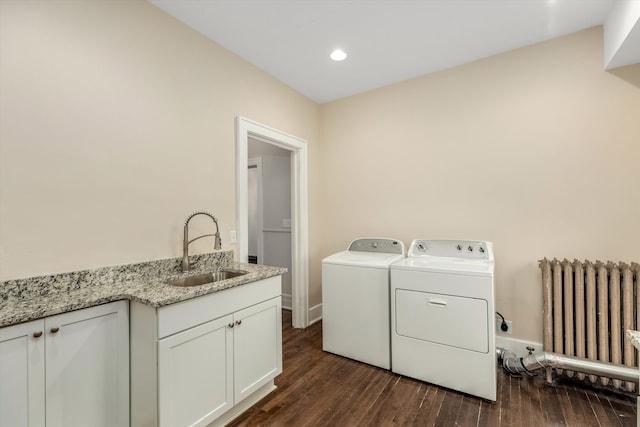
(634, 337)
(34, 298)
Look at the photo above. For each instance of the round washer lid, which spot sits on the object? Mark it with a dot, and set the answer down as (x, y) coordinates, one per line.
(363, 259)
(469, 267)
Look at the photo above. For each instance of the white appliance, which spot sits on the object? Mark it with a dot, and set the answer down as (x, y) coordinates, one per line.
(355, 300)
(442, 311)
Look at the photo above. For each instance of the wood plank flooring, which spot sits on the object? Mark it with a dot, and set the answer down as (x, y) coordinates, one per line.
(322, 389)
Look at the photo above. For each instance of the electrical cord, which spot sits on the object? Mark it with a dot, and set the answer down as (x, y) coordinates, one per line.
(503, 326)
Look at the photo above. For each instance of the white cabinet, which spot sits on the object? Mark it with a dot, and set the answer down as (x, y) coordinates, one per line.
(257, 347)
(87, 367)
(195, 374)
(73, 367)
(207, 359)
(22, 386)
(207, 369)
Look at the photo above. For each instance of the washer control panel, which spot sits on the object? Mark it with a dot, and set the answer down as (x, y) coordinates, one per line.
(466, 249)
(376, 244)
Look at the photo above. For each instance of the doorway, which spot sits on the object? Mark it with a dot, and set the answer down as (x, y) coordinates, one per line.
(269, 201)
(297, 149)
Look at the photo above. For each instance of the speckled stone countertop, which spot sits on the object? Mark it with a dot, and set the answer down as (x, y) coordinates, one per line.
(23, 300)
(634, 337)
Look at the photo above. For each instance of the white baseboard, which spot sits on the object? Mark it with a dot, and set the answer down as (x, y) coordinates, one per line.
(315, 314)
(287, 301)
(519, 347)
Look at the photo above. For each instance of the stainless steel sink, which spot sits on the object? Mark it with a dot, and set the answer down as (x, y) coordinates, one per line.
(203, 279)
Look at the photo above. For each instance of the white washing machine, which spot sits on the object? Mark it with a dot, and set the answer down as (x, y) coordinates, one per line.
(355, 300)
(442, 311)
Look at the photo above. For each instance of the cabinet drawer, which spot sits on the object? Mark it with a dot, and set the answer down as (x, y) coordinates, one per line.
(187, 314)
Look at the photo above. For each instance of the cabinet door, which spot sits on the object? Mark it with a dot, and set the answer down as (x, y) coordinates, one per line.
(257, 346)
(22, 375)
(87, 375)
(195, 374)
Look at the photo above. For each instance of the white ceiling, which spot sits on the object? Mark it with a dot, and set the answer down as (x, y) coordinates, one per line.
(387, 40)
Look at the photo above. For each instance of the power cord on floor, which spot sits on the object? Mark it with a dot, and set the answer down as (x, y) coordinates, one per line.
(503, 325)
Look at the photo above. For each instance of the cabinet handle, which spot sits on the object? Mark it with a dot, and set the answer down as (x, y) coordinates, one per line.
(37, 334)
(55, 329)
(230, 325)
(238, 322)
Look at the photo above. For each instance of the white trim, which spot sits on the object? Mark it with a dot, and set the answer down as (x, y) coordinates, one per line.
(315, 314)
(299, 208)
(286, 301)
(257, 162)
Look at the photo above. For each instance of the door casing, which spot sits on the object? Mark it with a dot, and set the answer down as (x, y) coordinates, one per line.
(246, 128)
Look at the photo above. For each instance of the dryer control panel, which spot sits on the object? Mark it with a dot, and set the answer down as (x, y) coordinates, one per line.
(377, 244)
(465, 249)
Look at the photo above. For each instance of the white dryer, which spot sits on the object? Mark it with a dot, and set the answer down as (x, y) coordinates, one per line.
(442, 311)
(355, 300)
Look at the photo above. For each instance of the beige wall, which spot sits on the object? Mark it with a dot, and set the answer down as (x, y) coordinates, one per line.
(117, 122)
(536, 150)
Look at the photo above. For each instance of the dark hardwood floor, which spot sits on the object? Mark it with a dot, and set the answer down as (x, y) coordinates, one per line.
(322, 389)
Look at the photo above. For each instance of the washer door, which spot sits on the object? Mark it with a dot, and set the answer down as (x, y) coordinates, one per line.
(443, 319)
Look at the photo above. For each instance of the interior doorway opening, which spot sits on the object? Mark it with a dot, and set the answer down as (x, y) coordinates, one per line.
(297, 148)
(269, 216)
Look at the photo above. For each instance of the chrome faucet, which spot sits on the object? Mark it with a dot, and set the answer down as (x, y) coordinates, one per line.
(186, 241)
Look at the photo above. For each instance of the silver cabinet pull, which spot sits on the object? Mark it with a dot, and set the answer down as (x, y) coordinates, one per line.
(230, 325)
(238, 322)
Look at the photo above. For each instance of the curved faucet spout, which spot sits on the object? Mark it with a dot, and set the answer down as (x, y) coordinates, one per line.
(185, 242)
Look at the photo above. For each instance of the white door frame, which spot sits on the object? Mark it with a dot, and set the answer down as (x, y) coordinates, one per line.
(299, 208)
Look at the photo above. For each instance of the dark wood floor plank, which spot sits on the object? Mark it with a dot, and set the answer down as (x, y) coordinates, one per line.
(321, 389)
(410, 407)
(469, 412)
(397, 406)
(601, 410)
(506, 415)
(567, 407)
(580, 402)
(356, 397)
(449, 409)
(552, 412)
(430, 407)
(532, 412)
(621, 412)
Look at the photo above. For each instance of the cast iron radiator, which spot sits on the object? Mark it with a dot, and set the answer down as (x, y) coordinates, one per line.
(587, 307)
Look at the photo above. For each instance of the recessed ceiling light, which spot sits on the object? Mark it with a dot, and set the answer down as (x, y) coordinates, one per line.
(338, 55)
